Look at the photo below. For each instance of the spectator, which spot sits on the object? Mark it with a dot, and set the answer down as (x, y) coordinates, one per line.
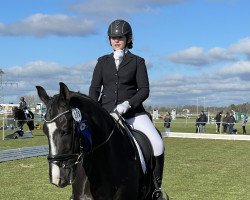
(167, 122)
(218, 121)
(197, 124)
(231, 122)
(202, 122)
(225, 123)
(244, 122)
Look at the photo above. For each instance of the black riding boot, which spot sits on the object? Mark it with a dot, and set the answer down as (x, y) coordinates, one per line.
(158, 174)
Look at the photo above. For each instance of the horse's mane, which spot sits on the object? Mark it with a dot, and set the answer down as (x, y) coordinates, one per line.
(86, 103)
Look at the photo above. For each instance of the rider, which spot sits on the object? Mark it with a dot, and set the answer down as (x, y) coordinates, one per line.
(120, 82)
(23, 106)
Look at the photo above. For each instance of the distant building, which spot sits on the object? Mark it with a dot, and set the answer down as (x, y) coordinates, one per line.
(7, 108)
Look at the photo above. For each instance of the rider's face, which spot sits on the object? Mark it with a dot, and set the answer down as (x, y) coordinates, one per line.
(118, 43)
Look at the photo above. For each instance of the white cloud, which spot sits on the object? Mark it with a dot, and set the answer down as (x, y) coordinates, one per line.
(196, 56)
(41, 25)
(242, 46)
(191, 56)
(218, 54)
(48, 75)
(239, 70)
(224, 85)
(109, 8)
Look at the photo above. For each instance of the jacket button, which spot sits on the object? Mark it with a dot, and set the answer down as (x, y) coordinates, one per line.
(115, 92)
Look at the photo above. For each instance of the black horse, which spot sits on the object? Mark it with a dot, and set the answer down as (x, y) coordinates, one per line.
(79, 130)
(21, 118)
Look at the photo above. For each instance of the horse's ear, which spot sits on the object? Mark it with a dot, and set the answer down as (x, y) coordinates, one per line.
(42, 94)
(64, 91)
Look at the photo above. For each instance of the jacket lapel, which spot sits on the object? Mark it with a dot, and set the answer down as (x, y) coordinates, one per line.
(111, 61)
(127, 58)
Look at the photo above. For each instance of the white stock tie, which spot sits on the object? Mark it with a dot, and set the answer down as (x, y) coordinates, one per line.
(118, 56)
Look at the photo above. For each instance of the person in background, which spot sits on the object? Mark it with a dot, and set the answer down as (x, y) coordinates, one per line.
(202, 122)
(120, 83)
(225, 123)
(197, 124)
(244, 122)
(231, 122)
(167, 123)
(23, 106)
(218, 121)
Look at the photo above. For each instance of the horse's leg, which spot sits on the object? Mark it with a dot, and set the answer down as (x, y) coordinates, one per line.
(81, 187)
(31, 125)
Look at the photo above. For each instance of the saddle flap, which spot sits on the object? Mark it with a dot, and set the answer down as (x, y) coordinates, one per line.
(146, 148)
(142, 140)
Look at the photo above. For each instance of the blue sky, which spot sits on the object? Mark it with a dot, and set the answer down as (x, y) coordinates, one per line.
(194, 49)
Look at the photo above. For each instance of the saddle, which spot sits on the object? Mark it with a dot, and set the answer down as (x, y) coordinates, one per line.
(27, 115)
(136, 136)
(145, 147)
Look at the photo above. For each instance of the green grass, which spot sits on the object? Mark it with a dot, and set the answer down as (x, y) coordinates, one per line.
(28, 179)
(195, 169)
(38, 139)
(207, 169)
(178, 125)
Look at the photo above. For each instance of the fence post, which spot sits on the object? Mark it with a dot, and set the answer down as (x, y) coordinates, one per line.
(3, 127)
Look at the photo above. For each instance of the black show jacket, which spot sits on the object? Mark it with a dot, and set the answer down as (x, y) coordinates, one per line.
(128, 83)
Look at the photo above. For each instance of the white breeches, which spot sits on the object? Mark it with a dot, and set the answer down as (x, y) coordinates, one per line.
(145, 125)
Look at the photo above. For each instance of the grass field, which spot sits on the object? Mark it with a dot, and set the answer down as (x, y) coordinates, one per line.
(195, 169)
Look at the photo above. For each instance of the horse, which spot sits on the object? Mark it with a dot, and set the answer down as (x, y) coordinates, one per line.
(81, 132)
(21, 118)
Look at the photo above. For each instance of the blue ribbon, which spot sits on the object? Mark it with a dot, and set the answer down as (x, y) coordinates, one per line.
(83, 130)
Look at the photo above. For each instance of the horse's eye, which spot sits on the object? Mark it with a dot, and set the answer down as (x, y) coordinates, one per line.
(65, 133)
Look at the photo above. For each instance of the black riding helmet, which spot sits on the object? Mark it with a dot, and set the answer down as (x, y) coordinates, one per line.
(119, 28)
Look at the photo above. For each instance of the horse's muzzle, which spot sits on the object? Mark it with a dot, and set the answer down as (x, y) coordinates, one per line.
(61, 177)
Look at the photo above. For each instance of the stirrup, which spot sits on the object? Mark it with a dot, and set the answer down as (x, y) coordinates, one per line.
(157, 195)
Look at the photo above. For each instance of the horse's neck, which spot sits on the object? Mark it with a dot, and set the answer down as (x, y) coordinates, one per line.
(104, 124)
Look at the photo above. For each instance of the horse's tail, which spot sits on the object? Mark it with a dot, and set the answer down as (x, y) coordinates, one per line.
(31, 125)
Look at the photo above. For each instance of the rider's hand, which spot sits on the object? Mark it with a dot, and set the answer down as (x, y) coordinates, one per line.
(123, 107)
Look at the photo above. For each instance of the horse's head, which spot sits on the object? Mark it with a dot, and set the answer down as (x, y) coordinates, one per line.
(16, 112)
(59, 127)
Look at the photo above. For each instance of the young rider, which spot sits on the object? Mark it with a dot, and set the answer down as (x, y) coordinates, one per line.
(23, 106)
(120, 82)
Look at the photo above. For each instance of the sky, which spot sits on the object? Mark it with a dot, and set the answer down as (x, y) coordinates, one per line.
(197, 52)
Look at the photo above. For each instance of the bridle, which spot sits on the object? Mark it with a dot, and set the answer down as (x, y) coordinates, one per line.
(59, 115)
(61, 160)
